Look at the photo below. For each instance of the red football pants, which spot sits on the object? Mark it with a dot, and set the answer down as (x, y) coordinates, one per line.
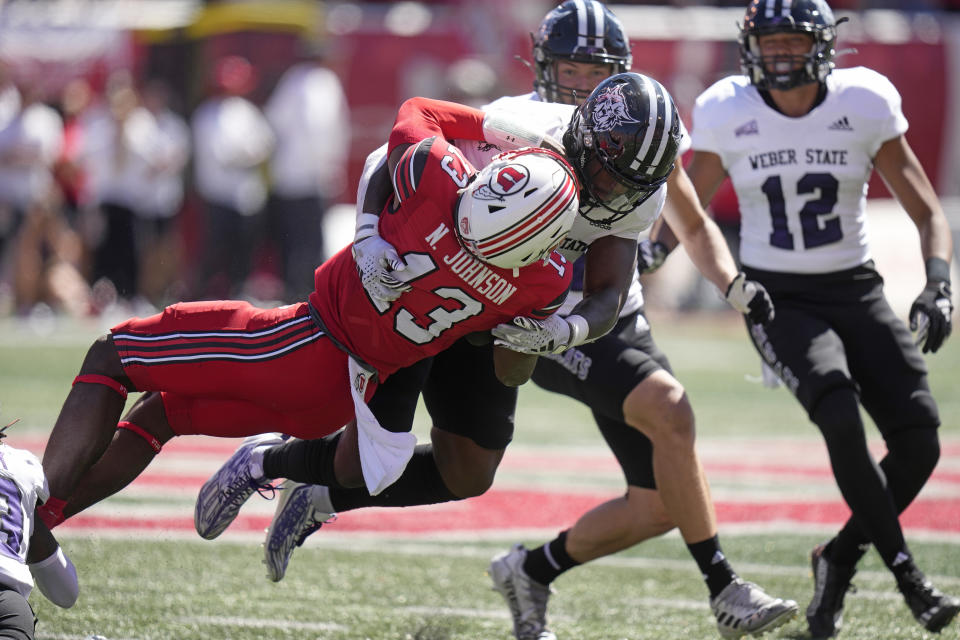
(227, 368)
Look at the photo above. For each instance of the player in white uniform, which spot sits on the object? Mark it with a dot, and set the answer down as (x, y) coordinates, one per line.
(28, 551)
(799, 142)
(622, 375)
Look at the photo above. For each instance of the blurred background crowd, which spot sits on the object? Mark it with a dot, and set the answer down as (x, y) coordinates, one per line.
(162, 150)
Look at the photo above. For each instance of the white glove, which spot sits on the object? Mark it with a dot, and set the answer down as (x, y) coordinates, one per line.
(553, 335)
(378, 262)
(751, 299)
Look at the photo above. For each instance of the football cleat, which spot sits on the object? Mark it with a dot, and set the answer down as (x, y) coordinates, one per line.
(932, 608)
(296, 518)
(831, 582)
(221, 497)
(526, 598)
(743, 608)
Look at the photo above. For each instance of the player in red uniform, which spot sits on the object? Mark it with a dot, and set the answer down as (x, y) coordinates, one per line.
(227, 368)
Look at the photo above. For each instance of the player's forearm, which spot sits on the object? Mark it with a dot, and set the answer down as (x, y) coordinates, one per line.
(936, 238)
(378, 191)
(710, 254)
(420, 118)
(56, 577)
(600, 310)
(662, 233)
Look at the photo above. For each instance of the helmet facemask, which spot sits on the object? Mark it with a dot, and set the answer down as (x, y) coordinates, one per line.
(577, 31)
(784, 72)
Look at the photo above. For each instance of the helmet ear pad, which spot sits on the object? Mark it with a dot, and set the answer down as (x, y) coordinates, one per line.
(572, 141)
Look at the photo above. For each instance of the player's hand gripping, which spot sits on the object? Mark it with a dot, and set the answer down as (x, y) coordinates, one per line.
(751, 299)
(650, 256)
(528, 335)
(378, 264)
(930, 315)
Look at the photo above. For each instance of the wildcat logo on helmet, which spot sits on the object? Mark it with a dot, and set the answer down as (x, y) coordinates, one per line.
(506, 181)
(610, 109)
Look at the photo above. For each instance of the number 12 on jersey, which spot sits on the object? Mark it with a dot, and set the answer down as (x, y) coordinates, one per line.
(817, 230)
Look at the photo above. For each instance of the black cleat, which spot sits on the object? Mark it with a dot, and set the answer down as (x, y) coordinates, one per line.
(831, 582)
(932, 608)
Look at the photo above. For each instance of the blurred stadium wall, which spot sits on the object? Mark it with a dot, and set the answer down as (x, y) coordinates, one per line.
(466, 51)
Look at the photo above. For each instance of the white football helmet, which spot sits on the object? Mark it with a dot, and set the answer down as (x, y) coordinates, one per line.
(518, 208)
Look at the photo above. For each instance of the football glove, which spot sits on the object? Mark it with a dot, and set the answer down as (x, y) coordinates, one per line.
(377, 262)
(528, 335)
(751, 299)
(930, 315)
(650, 255)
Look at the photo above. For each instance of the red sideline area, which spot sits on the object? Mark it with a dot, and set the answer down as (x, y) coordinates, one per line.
(516, 509)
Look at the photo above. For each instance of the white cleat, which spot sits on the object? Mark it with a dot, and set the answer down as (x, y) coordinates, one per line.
(743, 608)
(526, 597)
(296, 518)
(221, 497)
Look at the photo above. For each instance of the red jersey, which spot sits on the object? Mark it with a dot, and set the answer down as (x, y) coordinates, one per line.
(452, 293)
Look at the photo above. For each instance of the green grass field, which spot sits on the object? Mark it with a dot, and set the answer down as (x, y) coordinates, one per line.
(175, 586)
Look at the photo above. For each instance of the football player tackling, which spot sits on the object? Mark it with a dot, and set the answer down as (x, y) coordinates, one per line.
(479, 250)
(623, 140)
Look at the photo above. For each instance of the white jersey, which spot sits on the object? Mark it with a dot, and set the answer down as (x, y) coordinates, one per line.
(801, 182)
(22, 485)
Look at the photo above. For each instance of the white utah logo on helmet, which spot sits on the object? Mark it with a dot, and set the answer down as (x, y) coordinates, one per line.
(506, 181)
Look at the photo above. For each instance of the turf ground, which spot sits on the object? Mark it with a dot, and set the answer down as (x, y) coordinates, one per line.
(418, 574)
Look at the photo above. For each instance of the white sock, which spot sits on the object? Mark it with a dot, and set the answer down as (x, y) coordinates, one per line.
(320, 497)
(256, 464)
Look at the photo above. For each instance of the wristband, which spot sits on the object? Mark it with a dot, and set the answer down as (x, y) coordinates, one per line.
(938, 270)
(368, 224)
(509, 132)
(579, 329)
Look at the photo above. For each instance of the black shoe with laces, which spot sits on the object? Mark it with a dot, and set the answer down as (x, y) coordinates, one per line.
(831, 582)
(932, 608)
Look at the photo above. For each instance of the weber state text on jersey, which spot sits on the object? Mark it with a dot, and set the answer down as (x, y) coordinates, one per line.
(801, 182)
(452, 292)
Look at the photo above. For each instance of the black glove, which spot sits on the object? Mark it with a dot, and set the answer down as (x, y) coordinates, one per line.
(930, 314)
(650, 255)
(751, 299)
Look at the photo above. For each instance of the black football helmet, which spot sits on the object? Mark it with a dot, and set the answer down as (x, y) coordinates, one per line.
(577, 31)
(765, 17)
(623, 142)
